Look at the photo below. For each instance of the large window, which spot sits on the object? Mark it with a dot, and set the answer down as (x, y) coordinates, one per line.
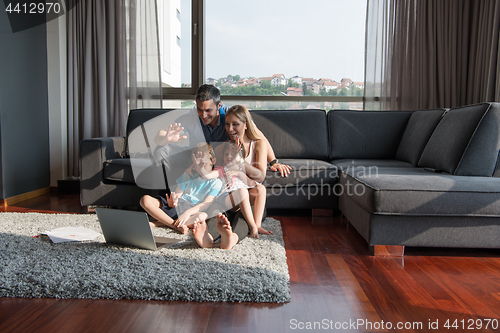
(291, 54)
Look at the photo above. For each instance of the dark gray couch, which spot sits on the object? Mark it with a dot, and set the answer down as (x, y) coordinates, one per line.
(402, 178)
(440, 188)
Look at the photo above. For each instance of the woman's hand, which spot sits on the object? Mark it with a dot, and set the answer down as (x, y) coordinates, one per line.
(283, 169)
(238, 173)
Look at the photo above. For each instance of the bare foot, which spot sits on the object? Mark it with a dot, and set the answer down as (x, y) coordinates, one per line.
(183, 230)
(201, 235)
(198, 217)
(155, 224)
(264, 231)
(228, 238)
(254, 233)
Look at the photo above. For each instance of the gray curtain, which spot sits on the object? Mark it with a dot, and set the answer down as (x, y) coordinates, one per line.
(113, 66)
(143, 49)
(431, 53)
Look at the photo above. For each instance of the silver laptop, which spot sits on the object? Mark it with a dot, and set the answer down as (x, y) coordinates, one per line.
(130, 228)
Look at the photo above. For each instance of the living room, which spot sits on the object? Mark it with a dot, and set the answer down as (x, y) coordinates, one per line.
(336, 282)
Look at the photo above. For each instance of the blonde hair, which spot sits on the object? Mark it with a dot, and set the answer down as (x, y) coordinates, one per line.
(244, 116)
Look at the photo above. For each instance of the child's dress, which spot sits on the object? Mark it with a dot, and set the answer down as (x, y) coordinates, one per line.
(229, 185)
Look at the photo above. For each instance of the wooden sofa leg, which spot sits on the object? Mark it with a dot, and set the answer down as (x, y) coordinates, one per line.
(388, 250)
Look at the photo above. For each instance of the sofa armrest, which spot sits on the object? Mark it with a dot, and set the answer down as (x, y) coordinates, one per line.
(93, 153)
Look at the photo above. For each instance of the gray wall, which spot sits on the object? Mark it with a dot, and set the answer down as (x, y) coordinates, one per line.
(24, 118)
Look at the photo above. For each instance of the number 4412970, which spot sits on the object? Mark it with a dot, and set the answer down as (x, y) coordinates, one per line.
(472, 324)
(34, 8)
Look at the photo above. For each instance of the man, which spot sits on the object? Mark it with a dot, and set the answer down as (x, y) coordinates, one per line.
(211, 113)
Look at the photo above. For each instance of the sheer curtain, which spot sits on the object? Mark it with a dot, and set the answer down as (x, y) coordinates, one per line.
(426, 53)
(113, 66)
(143, 50)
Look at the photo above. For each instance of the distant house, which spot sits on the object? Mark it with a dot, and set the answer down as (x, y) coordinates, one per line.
(323, 80)
(296, 79)
(308, 80)
(254, 82)
(316, 87)
(345, 83)
(242, 82)
(291, 91)
(277, 79)
(211, 81)
(229, 82)
(360, 85)
(331, 86)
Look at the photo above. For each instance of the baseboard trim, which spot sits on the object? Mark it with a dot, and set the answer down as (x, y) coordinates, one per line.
(25, 196)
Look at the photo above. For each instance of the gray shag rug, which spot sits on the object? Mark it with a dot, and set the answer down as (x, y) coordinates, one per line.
(254, 271)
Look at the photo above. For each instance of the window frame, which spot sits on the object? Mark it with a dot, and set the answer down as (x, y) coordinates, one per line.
(198, 71)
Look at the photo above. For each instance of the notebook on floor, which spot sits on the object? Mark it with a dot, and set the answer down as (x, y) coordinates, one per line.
(130, 228)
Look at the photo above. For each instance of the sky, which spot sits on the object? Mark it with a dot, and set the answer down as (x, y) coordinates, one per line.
(259, 38)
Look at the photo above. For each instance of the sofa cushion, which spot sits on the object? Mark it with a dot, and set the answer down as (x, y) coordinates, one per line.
(369, 164)
(451, 137)
(294, 133)
(482, 152)
(366, 134)
(415, 191)
(417, 134)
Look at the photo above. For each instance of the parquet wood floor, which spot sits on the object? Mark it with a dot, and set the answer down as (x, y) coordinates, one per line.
(336, 285)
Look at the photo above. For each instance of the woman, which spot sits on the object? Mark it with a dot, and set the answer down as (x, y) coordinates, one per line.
(241, 130)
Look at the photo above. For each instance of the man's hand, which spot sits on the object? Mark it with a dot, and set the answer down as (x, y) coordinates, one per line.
(283, 169)
(173, 133)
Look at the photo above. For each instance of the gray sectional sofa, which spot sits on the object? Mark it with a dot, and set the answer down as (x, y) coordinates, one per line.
(402, 178)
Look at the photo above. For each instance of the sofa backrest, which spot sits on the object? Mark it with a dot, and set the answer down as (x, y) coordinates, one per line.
(136, 118)
(417, 133)
(139, 116)
(366, 134)
(294, 133)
